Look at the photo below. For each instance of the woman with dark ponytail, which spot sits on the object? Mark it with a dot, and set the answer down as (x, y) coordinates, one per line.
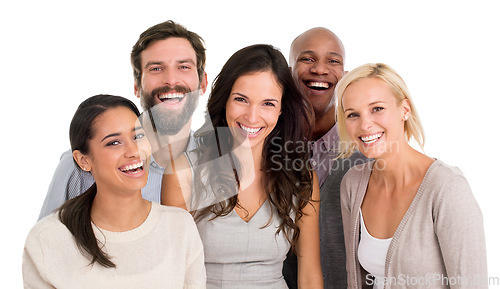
(109, 236)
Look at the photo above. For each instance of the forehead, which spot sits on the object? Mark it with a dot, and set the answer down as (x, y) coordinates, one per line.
(172, 49)
(259, 85)
(365, 91)
(319, 41)
(115, 120)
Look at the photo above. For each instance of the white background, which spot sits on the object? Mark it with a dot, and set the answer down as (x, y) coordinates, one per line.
(55, 54)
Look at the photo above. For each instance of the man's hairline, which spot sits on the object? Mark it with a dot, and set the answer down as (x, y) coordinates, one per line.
(200, 77)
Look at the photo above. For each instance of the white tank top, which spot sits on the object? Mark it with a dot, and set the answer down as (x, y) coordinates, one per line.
(372, 253)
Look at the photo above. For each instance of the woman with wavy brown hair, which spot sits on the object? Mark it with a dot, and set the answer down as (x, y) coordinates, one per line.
(248, 184)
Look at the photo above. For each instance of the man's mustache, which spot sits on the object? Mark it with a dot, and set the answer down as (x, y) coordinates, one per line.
(167, 89)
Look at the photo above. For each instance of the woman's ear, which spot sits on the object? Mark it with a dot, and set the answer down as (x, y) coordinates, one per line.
(405, 105)
(82, 160)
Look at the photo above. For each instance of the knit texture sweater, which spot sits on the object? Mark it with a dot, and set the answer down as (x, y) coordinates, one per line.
(164, 252)
(439, 242)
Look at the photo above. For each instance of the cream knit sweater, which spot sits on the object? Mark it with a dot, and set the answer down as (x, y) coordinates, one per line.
(164, 252)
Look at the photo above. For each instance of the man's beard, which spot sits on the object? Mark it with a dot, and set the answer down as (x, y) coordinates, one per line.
(167, 121)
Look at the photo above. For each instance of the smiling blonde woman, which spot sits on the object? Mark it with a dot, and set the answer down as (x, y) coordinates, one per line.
(409, 219)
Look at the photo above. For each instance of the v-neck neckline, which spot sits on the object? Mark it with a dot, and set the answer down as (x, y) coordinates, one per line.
(255, 214)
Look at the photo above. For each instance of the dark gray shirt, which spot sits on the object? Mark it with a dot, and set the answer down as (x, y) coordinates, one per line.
(333, 258)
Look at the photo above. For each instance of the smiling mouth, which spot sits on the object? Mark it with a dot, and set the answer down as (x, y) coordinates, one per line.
(249, 130)
(318, 85)
(371, 138)
(171, 98)
(133, 168)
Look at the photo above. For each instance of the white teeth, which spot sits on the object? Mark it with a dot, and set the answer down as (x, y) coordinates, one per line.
(132, 167)
(249, 130)
(371, 138)
(318, 84)
(171, 95)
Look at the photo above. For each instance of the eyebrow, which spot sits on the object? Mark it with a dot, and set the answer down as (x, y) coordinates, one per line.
(375, 102)
(150, 63)
(267, 99)
(313, 52)
(118, 133)
(240, 94)
(370, 104)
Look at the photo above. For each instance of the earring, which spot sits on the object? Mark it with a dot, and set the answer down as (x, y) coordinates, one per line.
(405, 117)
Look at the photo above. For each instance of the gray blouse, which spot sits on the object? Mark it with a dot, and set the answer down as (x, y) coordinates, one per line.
(244, 255)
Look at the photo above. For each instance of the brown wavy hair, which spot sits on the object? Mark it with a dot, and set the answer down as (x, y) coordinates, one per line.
(288, 189)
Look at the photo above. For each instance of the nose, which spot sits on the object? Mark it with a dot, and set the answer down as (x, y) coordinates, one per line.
(252, 114)
(319, 68)
(366, 122)
(170, 77)
(131, 149)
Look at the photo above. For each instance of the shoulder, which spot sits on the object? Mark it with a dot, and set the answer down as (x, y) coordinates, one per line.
(441, 176)
(49, 223)
(173, 215)
(357, 172)
(47, 231)
(355, 181)
(448, 188)
(178, 222)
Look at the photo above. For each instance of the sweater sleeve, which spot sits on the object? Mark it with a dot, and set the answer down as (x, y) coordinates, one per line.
(32, 268)
(459, 229)
(346, 203)
(195, 260)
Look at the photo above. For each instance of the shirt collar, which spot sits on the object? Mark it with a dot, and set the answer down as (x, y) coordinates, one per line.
(330, 139)
(190, 146)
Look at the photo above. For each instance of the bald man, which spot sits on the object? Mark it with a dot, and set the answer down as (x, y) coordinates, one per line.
(317, 64)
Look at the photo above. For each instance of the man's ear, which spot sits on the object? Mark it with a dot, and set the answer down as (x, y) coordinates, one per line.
(136, 89)
(82, 160)
(203, 83)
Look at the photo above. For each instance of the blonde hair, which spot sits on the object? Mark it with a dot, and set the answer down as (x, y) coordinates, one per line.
(412, 127)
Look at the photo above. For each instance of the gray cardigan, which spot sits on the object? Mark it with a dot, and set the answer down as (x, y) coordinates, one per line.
(439, 242)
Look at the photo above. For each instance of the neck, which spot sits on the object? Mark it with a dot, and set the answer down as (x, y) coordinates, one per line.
(118, 213)
(251, 162)
(167, 148)
(401, 168)
(323, 123)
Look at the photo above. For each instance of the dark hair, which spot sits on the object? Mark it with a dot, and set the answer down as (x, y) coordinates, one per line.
(163, 31)
(75, 213)
(289, 190)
